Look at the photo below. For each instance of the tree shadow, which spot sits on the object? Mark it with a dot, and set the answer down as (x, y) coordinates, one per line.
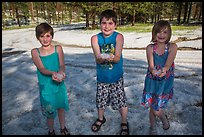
(7, 52)
(71, 26)
(21, 112)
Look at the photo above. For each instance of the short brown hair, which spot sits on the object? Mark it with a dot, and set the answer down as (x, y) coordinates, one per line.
(42, 29)
(108, 14)
(158, 27)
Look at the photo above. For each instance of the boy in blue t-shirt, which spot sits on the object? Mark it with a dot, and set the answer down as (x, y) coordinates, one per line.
(107, 47)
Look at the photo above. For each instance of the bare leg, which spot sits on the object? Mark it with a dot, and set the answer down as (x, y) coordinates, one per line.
(61, 117)
(152, 117)
(100, 113)
(152, 122)
(163, 118)
(50, 123)
(123, 112)
(124, 123)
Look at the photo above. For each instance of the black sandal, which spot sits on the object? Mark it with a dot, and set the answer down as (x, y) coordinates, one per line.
(51, 133)
(167, 122)
(98, 126)
(64, 131)
(124, 131)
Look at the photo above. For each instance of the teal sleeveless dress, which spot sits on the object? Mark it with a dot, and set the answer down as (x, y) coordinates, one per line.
(157, 91)
(53, 95)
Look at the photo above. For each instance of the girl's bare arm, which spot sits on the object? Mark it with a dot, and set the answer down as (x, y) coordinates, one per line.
(150, 58)
(38, 63)
(61, 58)
(171, 56)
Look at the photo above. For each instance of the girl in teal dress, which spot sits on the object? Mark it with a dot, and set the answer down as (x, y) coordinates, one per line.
(49, 61)
(159, 80)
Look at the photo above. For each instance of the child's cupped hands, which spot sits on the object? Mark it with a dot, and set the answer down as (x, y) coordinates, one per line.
(159, 72)
(163, 72)
(58, 76)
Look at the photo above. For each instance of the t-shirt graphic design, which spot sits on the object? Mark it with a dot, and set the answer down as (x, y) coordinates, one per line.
(107, 49)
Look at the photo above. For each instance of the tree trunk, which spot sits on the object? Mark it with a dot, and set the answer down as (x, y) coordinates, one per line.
(58, 9)
(160, 11)
(179, 13)
(189, 13)
(45, 11)
(155, 15)
(185, 12)
(196, 12)
(70, 16)
(113, 6)
(63, 17)
(32, 11)
(152, 18)
(133, 18)
(13, 9)
(200, 13)
(87, 19)
(93, 22)
(17, 16)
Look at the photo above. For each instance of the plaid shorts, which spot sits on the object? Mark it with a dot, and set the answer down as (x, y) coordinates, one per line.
(111, 94)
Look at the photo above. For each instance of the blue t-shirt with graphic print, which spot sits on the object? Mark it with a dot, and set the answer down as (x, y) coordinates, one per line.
(109, 72)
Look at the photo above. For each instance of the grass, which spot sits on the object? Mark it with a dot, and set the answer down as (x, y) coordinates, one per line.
(17, 27)
(148, 28)
(175, 28)
(138, 27)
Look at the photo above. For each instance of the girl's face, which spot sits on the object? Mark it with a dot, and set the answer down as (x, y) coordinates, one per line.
(45, 39)
(107, 26)
(162, 36)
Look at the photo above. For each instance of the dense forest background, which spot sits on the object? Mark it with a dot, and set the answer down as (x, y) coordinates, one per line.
(61, 13)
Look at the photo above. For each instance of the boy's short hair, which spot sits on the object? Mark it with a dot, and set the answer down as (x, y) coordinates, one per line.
(43, 28)
(158, 27)
(109, 14)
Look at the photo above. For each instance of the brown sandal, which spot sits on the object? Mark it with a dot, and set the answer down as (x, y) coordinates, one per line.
(64, 131)
(124, 131)
(98, 126)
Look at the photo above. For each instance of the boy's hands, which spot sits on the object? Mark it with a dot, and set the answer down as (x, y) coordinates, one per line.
(111, 57)
(104, 58)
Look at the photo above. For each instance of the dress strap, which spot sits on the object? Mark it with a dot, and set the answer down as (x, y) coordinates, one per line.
(167, 47)
(154, 47)
(56, 48)
(38, 51)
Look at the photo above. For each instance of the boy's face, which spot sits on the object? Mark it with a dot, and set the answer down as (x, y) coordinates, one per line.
(45, 39)
(107, 26)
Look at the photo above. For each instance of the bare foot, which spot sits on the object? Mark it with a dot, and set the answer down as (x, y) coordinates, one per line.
(152, 131)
